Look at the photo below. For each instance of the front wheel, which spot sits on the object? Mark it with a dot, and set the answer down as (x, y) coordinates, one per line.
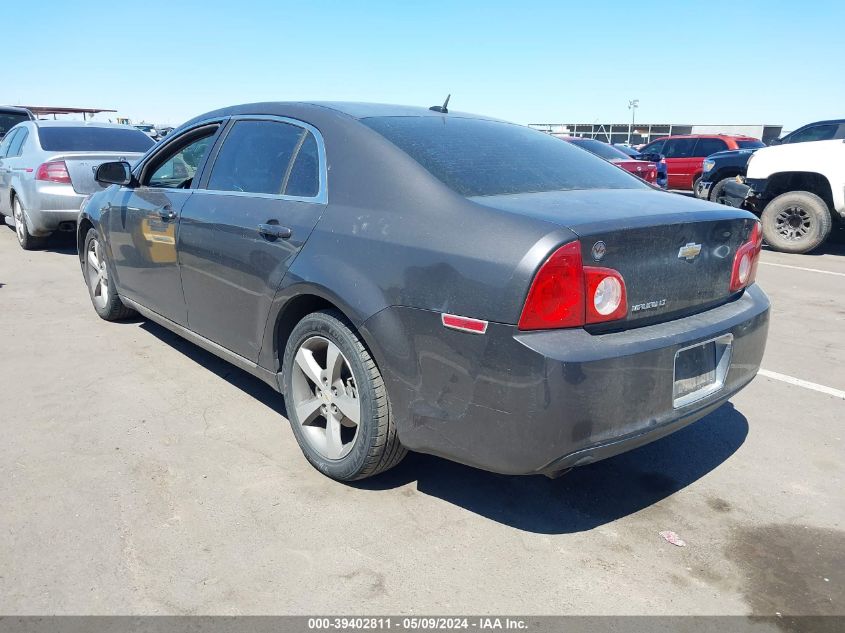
(796, 222)
(336, 400)
(95, 267)
(695, 182)
(718, 188)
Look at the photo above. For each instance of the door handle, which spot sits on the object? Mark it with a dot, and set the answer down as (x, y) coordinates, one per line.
(274, 230)
(167, 213)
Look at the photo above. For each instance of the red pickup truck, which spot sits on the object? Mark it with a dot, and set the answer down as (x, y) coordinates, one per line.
(685, 154)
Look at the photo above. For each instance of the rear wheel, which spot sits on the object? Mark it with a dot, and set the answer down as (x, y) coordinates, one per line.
(25, 239)
(336, 400)
(95, 267)
(796, 222)
(717, 189)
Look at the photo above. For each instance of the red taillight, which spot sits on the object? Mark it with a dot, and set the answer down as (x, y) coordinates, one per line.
(746, 259)
(54, 171)
(564, 293)
(556, 296)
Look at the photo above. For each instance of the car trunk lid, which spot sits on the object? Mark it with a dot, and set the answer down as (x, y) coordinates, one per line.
(675, 253)
(81, 167)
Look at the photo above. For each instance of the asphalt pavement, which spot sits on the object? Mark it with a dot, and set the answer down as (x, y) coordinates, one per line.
(140, 474)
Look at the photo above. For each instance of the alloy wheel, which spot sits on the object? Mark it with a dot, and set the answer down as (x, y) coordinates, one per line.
(793, 223)
(20, 227)
(97, 273)
(325, 396)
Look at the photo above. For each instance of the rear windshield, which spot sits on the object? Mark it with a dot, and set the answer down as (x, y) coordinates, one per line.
(93, 139)
(487, 158)
(608, 152)
(755, 144)
(8, 120)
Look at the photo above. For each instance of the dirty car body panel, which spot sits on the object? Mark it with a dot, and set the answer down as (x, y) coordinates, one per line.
(395, 238)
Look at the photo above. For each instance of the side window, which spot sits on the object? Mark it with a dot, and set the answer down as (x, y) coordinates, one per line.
(4, 146)
(654, 148)
(177, 169)
(707, 146)
(268, 157)
(304, 178)
(679, 148)
(814, 133)
(17, 143)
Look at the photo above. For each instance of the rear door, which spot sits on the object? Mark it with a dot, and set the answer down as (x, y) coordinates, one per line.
(143, 223)
(680, 162)
(240, 231)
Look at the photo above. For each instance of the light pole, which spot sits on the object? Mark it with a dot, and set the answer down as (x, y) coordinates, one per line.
(633, 104)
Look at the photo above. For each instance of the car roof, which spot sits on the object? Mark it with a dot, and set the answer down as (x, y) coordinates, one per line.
(74, 123)
(14, 110)
(353, 110)
(833, 121)
(740, 137)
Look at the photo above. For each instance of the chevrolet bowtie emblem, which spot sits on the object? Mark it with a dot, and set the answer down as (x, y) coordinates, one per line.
(689, 251)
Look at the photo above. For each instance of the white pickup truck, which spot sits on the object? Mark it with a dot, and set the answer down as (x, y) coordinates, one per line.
(798, 190)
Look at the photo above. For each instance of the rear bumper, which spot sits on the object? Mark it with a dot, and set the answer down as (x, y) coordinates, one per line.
(50, 204)
(540, 402)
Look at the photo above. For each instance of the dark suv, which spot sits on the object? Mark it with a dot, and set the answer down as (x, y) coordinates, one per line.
(818, 131)
(10, 116)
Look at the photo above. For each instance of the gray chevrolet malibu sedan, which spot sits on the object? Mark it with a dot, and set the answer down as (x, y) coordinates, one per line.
(47, 169)
(432, 281)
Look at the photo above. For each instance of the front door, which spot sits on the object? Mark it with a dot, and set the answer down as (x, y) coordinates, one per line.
(143, 223)
(246, 223)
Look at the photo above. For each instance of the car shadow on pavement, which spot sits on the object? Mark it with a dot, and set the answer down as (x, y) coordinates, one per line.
(63, 243)
(586, 497)
(244, 381)
(580, 500)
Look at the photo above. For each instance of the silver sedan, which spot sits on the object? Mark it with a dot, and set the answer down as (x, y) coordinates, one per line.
(47, 169)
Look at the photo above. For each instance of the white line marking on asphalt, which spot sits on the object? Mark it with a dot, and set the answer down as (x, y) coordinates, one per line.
(836, 393)
(812, 270)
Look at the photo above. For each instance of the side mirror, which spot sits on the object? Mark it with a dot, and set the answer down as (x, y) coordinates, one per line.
(652, 157)
(115, 173)
(776, 141)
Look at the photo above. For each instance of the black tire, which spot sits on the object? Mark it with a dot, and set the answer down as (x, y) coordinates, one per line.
(695, 184)
(376, 447)
(717, 189)
(27, 241)
(107, 304)
(796, 222)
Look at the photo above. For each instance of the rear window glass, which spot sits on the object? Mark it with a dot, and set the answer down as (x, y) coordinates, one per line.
(707, 146)
(755, 144)
(487, 158)
(93, 139)
(8, 120)
(608, 152)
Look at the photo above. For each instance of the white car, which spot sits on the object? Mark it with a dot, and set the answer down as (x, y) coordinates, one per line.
(798, 190)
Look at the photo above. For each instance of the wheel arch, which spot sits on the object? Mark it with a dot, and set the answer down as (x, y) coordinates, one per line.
(726, 172)
(787, 181)
(294, 302)
(83, 226)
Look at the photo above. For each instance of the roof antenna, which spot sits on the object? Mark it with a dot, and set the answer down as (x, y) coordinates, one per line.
(442, 108)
